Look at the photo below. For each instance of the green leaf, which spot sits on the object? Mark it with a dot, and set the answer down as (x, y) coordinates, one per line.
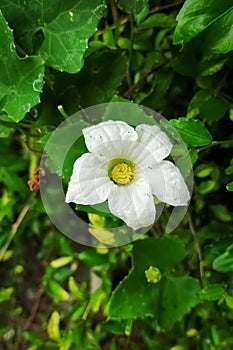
(229, 301)
(229, 186)
(5, 131)
(157, 99)
(162, 253)
(11, 180)
(158, 20)
(224, 262)
(66, 37)
(109, 39)
(210, 66)
(53, 326)
(219, 41)
(221, 212)
(130, 6)
(131, 113)
(99, 80)
(56, 290)
(21, 79)
(206, 186)
(66, 28)
(168, 299)
(185, 63)
(57, 148)
(92, 258)
(6, 294)
(212, 292)
(229, 169)
(102, 210)
(207, 106)
(185, 163)
(197, 15)
(192, 131)
(75, 288)
(33, 338)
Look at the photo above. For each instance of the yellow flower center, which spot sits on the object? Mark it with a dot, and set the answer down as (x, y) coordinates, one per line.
(122, 173)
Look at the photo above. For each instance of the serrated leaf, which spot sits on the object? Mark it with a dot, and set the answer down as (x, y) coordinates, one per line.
(21, 79)
(66, 28)
(66, 37)
(168, 299)
(195, 16)
(192, 131)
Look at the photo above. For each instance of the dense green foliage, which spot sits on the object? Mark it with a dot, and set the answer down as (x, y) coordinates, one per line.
(164, 291)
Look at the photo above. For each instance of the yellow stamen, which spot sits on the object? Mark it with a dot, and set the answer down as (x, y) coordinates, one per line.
(122, 173)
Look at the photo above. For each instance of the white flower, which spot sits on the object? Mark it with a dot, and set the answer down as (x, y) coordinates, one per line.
(125, 166)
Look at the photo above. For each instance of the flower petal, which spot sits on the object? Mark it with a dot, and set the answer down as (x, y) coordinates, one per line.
(133, 203)
(154, 140)
(104, 134)
(167, 184)
(89, 183)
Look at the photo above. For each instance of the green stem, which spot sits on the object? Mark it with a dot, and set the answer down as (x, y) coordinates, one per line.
(215, 143)
(62, 111)
(128, 74)
(14, 125)
(198, 247)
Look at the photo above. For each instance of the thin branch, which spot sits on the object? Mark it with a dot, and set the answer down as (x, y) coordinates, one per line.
(128, 93)
(198, 248)
(114, 12)
(165, 7)
(113, 26)
(215, 143)
(14, 230)
(126, 19)
(34, 310)
(30, 319)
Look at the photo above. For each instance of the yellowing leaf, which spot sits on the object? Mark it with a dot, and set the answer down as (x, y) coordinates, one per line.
(53, 326)
(103, 236)
(64, 260)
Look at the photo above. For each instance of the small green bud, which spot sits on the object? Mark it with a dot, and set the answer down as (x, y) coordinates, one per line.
(153, 274)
